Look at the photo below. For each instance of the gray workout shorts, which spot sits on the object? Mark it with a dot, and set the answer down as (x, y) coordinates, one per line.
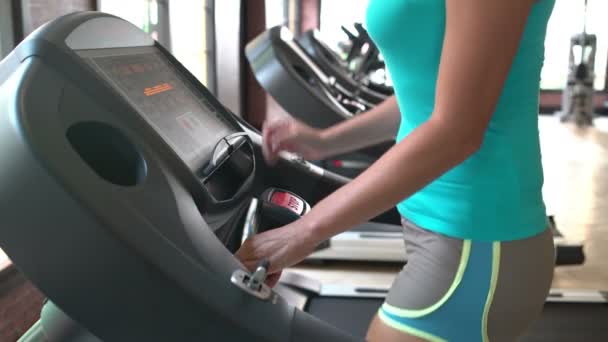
(463, 290)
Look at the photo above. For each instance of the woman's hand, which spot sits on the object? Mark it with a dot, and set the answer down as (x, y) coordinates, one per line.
(283, 247)
(288, 134)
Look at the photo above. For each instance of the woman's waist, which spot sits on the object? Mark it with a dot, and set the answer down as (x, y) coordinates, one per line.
(416, 100)
(488, 215)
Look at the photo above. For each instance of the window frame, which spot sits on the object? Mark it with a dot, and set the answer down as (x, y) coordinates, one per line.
(7, 39)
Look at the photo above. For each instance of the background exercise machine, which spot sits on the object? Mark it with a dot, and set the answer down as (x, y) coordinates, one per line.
(301, 87)
(577, 97)
(355, 60)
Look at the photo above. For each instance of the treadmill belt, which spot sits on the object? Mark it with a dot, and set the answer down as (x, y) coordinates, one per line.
(559, 322)
(350, 314)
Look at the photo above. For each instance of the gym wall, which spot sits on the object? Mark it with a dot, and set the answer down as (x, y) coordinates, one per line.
(20, 304)
(38, 12)
(6, 28)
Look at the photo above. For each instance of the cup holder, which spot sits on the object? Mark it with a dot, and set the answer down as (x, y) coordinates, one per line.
(108, 152)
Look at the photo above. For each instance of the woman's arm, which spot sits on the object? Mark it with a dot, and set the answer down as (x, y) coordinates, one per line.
(372, 127)
(375, 126)
(481, 40)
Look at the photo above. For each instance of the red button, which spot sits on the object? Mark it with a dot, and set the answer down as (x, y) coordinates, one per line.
(289, 201)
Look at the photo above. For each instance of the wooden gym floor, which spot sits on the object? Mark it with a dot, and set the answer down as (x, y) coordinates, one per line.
(575, 162)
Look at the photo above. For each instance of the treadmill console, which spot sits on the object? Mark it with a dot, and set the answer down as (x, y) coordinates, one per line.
(210, 145)
(185, 120)
(124, 189)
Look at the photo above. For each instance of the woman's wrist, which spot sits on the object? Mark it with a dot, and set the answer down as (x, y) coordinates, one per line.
(309, 232)
(327, 142)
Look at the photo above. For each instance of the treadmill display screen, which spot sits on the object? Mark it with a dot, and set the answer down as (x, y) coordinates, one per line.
(189, 124)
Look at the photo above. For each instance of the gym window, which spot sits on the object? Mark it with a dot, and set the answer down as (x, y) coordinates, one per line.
(334, 14)
(6, 29)
(567, 19)
(180, 26)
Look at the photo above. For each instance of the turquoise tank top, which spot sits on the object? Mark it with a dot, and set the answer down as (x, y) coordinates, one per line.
(495, 195)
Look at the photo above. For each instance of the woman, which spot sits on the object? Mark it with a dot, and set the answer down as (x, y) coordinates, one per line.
(465, 173)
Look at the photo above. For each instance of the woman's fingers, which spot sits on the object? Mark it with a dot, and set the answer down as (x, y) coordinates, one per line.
(266, 143)
(268, 132)
(273, 279)
(276, 135)
(288, 134)
(253, 251)
(282, 247)
(282, 133)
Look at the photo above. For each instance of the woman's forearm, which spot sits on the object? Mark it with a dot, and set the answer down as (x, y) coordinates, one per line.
(378, 125)
(424, 155)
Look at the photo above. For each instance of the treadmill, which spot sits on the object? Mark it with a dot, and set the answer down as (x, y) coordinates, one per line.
(300, 86)
(355, 80)
(126, 187)
(354, 71)
(331, 98)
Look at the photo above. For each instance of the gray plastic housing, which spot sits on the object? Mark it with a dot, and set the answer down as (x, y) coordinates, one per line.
(284, 70)
(128, 249)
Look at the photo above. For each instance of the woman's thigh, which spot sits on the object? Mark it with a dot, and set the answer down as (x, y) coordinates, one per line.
(380, 332)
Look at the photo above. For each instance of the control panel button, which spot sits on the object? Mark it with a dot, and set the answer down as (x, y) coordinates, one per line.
(289, 201)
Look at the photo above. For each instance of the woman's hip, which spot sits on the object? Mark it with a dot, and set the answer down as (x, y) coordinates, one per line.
(463, 289)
